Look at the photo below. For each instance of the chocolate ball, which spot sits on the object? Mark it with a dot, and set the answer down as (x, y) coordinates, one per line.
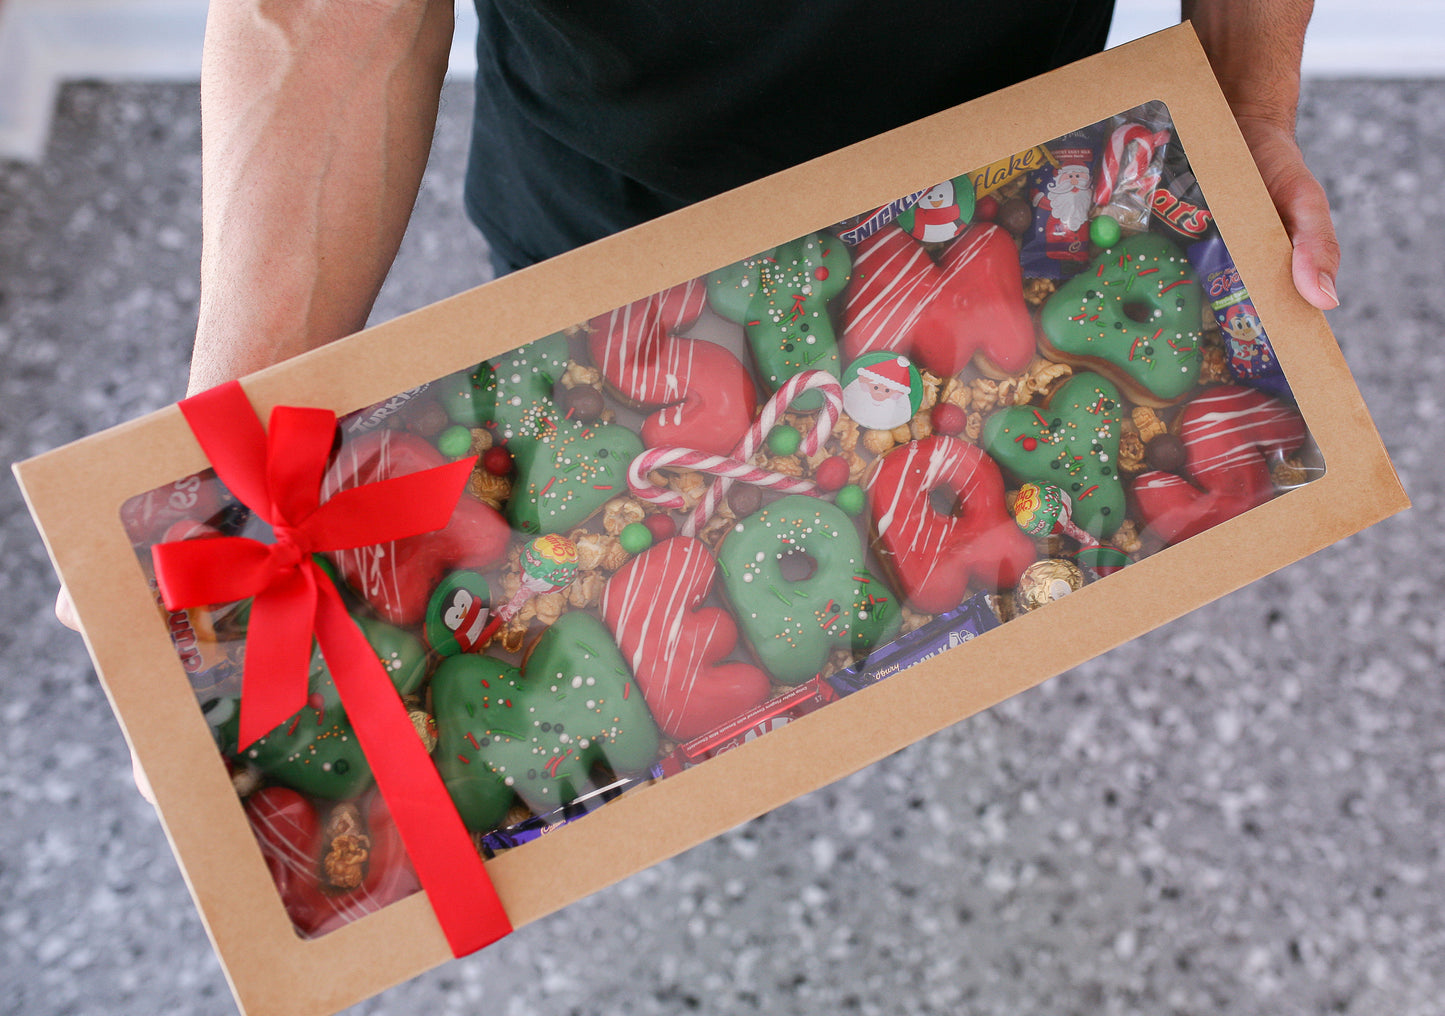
(585, 402)
(949, 419)
(744, 499)
(1165, 453)
(1015, 215)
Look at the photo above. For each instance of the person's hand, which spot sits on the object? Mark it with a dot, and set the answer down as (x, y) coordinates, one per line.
(1302, 205)
(65, 610)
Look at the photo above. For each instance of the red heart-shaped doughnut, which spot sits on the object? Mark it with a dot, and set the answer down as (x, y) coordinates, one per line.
(675, 646)
(1227, 433)
(707, 394)
(942, 314)
(932, 554)
(397, 578)
(289, 832)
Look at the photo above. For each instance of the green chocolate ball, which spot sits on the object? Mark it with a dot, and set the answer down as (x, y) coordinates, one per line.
(851, 499)
(784, 440)
(635, 538)
(1104, 231)
(454, 442)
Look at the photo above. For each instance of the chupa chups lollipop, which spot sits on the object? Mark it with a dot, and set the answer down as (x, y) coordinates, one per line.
(1041, 509)
(549, 563)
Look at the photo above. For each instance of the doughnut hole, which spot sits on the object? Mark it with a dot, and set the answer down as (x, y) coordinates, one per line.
(796, 566)
(945, 501)
(1139, 312)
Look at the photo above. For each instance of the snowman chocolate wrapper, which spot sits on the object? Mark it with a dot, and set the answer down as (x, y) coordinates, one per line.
(718, 510)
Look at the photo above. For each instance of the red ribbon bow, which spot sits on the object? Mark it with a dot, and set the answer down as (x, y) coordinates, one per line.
(278, 475)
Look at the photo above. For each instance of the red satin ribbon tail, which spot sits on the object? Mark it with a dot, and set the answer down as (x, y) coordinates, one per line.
(441, 850)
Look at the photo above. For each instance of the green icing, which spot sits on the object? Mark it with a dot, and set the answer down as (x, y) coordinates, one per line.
(565, 469)
(1136, 309)
(1072, 444)
(793, 619)
(537, 734)
(315, 751)
(780, 297)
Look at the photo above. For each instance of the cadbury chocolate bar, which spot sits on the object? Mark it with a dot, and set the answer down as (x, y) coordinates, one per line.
(968, 620)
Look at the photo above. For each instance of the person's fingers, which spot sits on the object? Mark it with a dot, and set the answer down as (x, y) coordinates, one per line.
(1303, 207)
(65, 610)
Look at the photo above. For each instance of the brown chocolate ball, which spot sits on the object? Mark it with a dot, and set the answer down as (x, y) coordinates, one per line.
(1016, 216)
(585, 403)
(428, 419)
(1166, 453)
(744, 499)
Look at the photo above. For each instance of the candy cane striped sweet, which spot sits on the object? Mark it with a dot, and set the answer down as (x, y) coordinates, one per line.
(730, 469)
(1115, 172)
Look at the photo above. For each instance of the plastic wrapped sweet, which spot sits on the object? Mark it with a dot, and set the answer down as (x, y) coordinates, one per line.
(713, 511)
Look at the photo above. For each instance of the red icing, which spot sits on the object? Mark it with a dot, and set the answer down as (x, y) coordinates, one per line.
(940, 315)
(675, 647)
(289, 833)
(398, 578)
(1227, 434)
(934, 556)
(707, 393)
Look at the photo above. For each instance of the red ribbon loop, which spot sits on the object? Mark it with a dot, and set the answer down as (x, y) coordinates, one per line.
(278, 475)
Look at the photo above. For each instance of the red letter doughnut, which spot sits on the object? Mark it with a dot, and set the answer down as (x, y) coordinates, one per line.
(941, 315)
(1227, 434)
(675, 648)
(933, 555)
(708, 395)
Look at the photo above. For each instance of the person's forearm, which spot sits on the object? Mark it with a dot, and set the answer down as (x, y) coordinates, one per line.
(317, 118)
(1254, 47)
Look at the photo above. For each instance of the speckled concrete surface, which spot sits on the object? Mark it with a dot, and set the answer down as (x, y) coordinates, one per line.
(1238, 814)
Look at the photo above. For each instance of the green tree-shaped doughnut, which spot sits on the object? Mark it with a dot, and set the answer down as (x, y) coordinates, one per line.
(781, 299)
(1072, 443)
(537, 733)
(315, 751)
(794, 573)
(565, 468)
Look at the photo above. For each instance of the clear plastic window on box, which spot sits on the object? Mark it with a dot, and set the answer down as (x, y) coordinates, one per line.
(716, 510)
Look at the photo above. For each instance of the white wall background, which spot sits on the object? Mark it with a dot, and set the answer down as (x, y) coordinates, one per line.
(45, 42)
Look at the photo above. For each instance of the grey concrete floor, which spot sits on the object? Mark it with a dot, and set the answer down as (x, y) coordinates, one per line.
(1240, 813)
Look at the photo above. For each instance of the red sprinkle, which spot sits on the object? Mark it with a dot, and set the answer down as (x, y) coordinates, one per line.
(1181, 282)
(464, 759)
(473, 741)
(1089, 491)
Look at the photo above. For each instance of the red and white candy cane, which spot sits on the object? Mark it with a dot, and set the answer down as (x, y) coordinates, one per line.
(1114, 171)
(729, 469)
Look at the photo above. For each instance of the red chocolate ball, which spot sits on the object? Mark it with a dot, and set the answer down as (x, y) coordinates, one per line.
(585, 402)
(1016, 216)
(986, 210)
(948, 419)
(832, 473)
(497, 461)
(662, 527)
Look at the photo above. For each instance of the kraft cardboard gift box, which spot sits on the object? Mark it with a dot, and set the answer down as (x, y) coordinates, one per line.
(76, 494)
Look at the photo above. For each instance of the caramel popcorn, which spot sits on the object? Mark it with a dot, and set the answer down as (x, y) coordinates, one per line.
(621, 512)
(591, 548)
(1126, 538)
(481, 440)
(245, 781)
(1147, 422)
(489, 488)
(974, 427)
(878, 441)
(1213, 367)
(956, 392)
(1131, 452)
(586, 589)
(901, 434)
(691, 484)
(613, 557)
(579, 374)
(921, 425)
(513, 638)
(912, 621)
(845, 431)
(931, 384)
(1289, 473)
(425, 726)
(788, 465)
(548, 607)
(348, 848)
(1041, 376)
(1036, 291)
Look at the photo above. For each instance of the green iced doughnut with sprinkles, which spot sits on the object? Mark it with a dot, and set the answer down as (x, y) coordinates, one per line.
(1072, 443)
(781, 297)
(315, 751)
(566, 468)
(793, 571)
(1134, 316)
(536, 733)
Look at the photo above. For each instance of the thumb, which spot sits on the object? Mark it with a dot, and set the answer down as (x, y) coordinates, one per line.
(1303, 207)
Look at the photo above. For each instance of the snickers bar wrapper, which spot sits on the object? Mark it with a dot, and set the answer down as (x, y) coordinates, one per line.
(76, 492)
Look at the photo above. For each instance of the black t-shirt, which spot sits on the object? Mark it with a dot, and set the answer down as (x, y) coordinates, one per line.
(594, 115)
